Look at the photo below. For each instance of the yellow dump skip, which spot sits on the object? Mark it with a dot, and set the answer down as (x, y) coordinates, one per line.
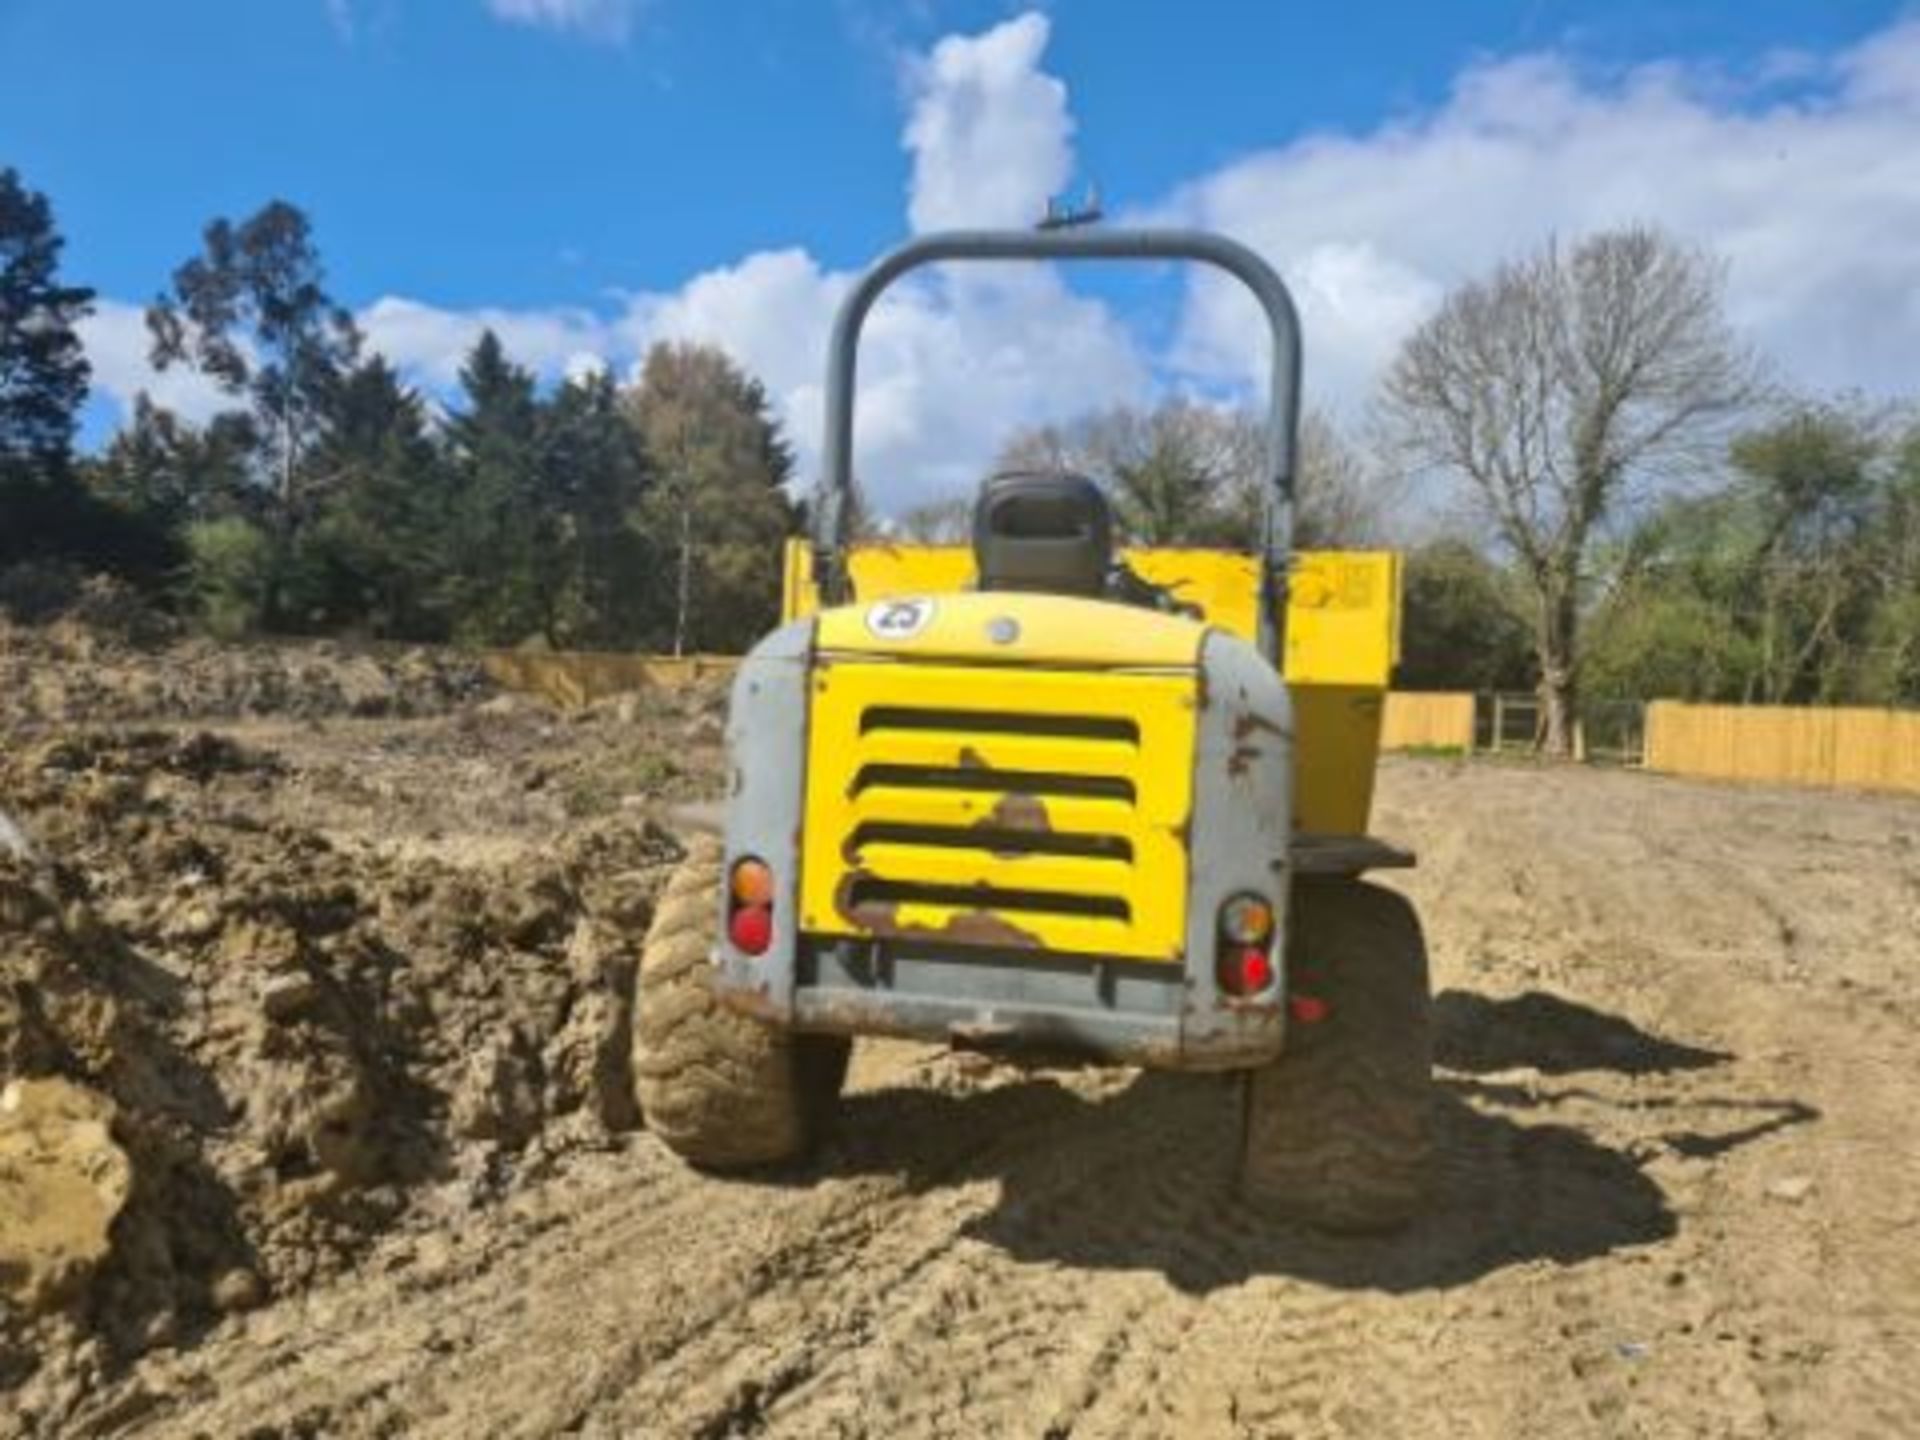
(1342, 641)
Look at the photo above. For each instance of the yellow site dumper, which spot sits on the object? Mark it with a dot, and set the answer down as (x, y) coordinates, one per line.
(1044, 793)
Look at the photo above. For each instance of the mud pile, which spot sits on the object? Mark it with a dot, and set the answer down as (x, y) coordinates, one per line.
(102, 663)
(63, 1183)
(293, 1042)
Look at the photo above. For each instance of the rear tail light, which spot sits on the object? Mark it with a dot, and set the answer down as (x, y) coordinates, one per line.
(1246, 936)
(750, 906)
(1245, 970)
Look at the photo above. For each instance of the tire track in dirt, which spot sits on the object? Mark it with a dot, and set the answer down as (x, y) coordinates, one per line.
(1004, 1336)
(1281, 1331)
(835, 1313)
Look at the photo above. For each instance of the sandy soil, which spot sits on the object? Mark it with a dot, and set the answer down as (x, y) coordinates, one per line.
(1680, 1190)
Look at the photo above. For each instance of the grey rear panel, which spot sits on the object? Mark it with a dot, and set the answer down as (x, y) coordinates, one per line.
(767, 753)
(1174, 1016)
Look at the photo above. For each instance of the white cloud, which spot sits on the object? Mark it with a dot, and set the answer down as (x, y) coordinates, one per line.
(990, 133)
(610, 20)
(117, 345)
(1813, 200)
(585, 365)
(430, 344)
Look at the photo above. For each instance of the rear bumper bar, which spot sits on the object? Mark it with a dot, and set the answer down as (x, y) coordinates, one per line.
(1126, 1011)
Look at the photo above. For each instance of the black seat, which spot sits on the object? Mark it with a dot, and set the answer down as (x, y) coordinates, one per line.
(1043, 530)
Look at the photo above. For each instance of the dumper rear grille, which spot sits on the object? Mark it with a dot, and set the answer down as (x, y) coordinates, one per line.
(1038, 823)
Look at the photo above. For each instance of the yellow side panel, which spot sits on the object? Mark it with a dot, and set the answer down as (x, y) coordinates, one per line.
(1343, 640)
(1343, 618)
(880, 571)
(1224, 584)
(1018, 808)
(1337, 739)
(883, 570)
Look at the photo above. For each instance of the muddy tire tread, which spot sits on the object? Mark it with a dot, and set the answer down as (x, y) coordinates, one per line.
(722, 1090)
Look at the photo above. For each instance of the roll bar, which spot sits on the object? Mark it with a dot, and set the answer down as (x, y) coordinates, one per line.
(1283, 407)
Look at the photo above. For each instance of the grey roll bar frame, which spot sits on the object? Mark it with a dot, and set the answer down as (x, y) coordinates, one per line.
(1283, 408)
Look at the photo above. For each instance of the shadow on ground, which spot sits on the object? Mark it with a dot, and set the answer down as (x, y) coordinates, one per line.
(1141, 1178)
(1556, 1036)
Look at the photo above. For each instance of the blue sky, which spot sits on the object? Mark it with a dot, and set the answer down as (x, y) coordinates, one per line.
(590, 175)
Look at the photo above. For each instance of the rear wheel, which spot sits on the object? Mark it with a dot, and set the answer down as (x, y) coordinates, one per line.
(724, 1091)
(1338, 1130)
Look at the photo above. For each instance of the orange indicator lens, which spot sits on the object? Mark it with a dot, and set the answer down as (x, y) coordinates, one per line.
(752, 883)
(1246, 920)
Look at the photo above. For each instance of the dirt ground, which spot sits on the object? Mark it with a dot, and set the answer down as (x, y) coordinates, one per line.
(352, 989)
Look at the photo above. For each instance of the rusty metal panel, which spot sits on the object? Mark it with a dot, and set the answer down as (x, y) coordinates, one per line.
(767, 758)
(1242, 835)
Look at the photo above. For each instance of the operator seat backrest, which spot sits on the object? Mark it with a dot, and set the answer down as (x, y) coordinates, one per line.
(1049, 531)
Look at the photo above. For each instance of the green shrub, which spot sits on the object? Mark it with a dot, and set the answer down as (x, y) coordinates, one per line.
(229, 568)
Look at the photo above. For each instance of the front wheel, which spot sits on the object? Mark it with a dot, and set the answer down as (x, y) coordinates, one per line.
(1338, 1130)
(723, 1090)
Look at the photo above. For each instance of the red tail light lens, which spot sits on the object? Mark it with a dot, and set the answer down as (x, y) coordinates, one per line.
(751, 929)
(1245, 971)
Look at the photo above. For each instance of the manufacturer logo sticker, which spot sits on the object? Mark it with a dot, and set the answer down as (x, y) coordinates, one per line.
(899, 619)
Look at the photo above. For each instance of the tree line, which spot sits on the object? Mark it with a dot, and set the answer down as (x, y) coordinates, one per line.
(1639, 509)
(330, 497)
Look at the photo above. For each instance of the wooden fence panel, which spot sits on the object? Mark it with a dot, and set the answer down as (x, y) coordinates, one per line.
(573, 678)
(1419, 721)
(1855, 748)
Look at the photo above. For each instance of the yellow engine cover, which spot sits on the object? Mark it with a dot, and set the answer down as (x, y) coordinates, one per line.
(989, 628)
(1016, 807)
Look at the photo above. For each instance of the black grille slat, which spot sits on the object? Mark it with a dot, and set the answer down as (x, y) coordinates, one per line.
(869, 890)
(979, 777)
(1110, 728)
(995, 839)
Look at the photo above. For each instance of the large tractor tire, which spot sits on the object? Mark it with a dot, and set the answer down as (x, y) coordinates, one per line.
(1338, 1130)
(723, 1090)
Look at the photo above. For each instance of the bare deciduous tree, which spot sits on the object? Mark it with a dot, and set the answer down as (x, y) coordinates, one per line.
(1564, 387)
(947, 521)
(1189, 474)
